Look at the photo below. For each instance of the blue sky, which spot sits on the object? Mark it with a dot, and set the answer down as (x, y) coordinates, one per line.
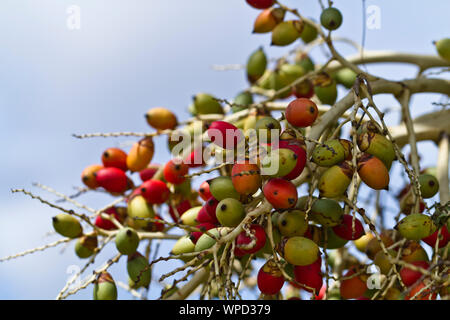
(129, 56)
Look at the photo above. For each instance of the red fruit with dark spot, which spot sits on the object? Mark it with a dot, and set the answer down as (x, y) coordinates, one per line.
(204, 217)
(301, 112)
(409, 276)
(243, 239)
(224, 134)
(204, 192)
(423, 295)
(352, 287)
(270, 280)
(175, 170)
(197, 234)
(310, 275)
(107, 224)
(295, 146)
(261, 4)
(195, 159)
(155, 191)
(182, 207)
(281, 194)
(112, 179)
(443, 240)
(210, 207)
(345, 229)
(321, 293)
(149, 172)
(114, 157)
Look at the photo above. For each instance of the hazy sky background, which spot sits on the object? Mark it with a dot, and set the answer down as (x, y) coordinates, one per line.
(129, 56)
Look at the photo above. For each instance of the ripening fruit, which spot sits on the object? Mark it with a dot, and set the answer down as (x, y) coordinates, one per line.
(354, 287)
(205, 226)
(138, 267)
(222, 188)
(67, 225)
(181, 208)
(350, 228)
(139, 209)
(373, 246)
(444, 238)
(224, 134)
(289, 73)
(373, 172)
(260, 4)
(416, 226)
(292, 223)
(443, 48)
(242, 101)
(429, 185)
(310, 275)
(309, 33)
(204, 192)
(301, 112)
(114, 157)
(258, 240)
(256, 65)
(210, 207)
(127, 241)
(331, 18)
(88, 176)
(149, 172)
(383, 262)
(246, 178)
(304, 89)
(331, 152)
(270, 279)
(327, 93)
(85, 246)
(362, 242)
(205, 241)
(112, 179)
(207, 104)
(279, 162)
(230, 212)
(299, 150)
(268, 19)
(333, 241)
(264, 127)
(346, 77)
(183, 245)
(303, 60)
(377, 145)
(161, 118)
(204, 217)
(271, 80)
(141, 154)
(104, 287)
(409, 276)
(299, 251)
(189, 217)
(422, 294)
(286, 32)
(175, 171)
(413, 251)
(335, 180)
(280, 193)
(155, 191)
(326, 212)
(105, 223)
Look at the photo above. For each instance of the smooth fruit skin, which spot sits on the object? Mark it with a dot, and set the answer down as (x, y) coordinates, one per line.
(268, 19)
(242, 240)
(260, 4)
(115, 157)
(67, 225)
(138, 208)
(292, 223)
(189, 217)
(362, 242)
(327, 94)
(443, 48)
(161, 118)
(326, 212)
(88, 176)
(377, 145)
(329, 153)
(205, 226)
(149, 172)
(286, 32)
(107, 224)
(183, 245)
(279, 162)
(270, 280)
(354, 287)
(373, 246)
(331, 18)
(181, 208)
(230, 212)
(137, 266)
(242, 101)
(309, 33)
(204, 191)
(423, 295)
(112, 179)
(224, 134)
(175, 171)
(205, 241)
(280, 193)
(335, 180)
(373, 172)
(300, 152)
(310, 275)
(141, 154)
(210, 207)
(429, 185)
(246, 178)
(409, 276)
(383, 262)
(155, 191)
(416, 226)
(433, 238)
(333, 241)
(346, 230)
(301, 112)
(299, 251)
(264, 127)
(127, 241)
(105, 287)
(346, 77)
(222, 188)
(205, 103)
(85, 246)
